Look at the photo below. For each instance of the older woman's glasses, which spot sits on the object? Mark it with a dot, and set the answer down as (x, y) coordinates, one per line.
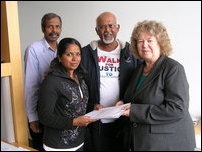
(110, 26)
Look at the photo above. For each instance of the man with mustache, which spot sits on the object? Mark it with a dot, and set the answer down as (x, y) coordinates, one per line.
(107, 86)
(37, 58)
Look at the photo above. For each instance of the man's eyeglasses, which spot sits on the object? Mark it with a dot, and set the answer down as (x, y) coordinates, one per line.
(110, 26)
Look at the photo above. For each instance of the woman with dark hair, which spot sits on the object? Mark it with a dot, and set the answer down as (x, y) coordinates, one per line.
(63, 99)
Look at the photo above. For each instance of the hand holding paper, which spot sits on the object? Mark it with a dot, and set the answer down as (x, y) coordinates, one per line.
(109, 112)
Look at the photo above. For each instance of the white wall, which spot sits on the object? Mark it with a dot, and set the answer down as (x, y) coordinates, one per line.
(182, 19)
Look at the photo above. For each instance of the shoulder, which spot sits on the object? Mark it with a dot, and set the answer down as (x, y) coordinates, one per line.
(89, 49)
(37, 45)
(170, 62)
(85, 48)
(91, 46)
(126, 53)
(49, 81)
(173, 66)
(123, 44)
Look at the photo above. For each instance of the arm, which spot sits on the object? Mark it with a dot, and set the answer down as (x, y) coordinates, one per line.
(164, 98)
(52, 107)
(32, 82)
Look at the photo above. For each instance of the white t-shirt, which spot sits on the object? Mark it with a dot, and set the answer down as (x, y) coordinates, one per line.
(109, 78)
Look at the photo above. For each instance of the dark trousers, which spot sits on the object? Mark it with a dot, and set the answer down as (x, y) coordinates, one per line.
(37, 140)
(101, 137)
(108, 136)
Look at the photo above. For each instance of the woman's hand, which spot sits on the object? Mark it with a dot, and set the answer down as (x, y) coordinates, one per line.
(118, 103)
(98, 106)
(83, 121)
(35, 127)
(126, 110)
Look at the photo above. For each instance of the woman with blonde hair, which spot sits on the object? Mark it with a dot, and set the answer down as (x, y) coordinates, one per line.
(159, 94)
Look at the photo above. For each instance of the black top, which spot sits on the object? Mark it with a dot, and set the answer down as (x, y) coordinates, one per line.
(60, 101)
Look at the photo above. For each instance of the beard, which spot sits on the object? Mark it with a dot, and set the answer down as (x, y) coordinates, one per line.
(108, 41)
(108, 38)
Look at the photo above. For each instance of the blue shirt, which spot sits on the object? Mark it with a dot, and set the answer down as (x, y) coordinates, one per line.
(38, 57)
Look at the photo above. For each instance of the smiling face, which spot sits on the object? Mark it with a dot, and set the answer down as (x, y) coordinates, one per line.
(148, 47)
(107, 28)
(52, 29)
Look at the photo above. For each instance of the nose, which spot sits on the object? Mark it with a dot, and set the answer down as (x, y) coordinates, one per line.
(54, 29)
(75, 57)
(145, 43)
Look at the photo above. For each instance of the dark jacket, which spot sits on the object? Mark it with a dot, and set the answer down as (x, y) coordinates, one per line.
(60, 101)
(127, 65)
(159, 110)
(90, 62)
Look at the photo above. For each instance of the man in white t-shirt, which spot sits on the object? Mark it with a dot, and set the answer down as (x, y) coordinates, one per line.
(109, 64)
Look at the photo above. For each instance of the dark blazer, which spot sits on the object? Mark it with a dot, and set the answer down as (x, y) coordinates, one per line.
(159, 111)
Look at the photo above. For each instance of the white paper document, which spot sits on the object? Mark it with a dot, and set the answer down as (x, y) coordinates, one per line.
(9, 147)
(109, 112)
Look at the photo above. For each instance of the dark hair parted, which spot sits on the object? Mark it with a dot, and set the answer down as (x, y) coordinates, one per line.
(155, 29)
(47, 17)
(65, 43)
(61, 49)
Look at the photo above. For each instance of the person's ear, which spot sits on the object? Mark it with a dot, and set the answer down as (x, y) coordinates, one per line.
(96, 30)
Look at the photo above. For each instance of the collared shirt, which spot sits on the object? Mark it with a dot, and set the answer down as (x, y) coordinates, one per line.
(38, 57)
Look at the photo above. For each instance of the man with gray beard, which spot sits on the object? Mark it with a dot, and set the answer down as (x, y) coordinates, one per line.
(107, 87)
